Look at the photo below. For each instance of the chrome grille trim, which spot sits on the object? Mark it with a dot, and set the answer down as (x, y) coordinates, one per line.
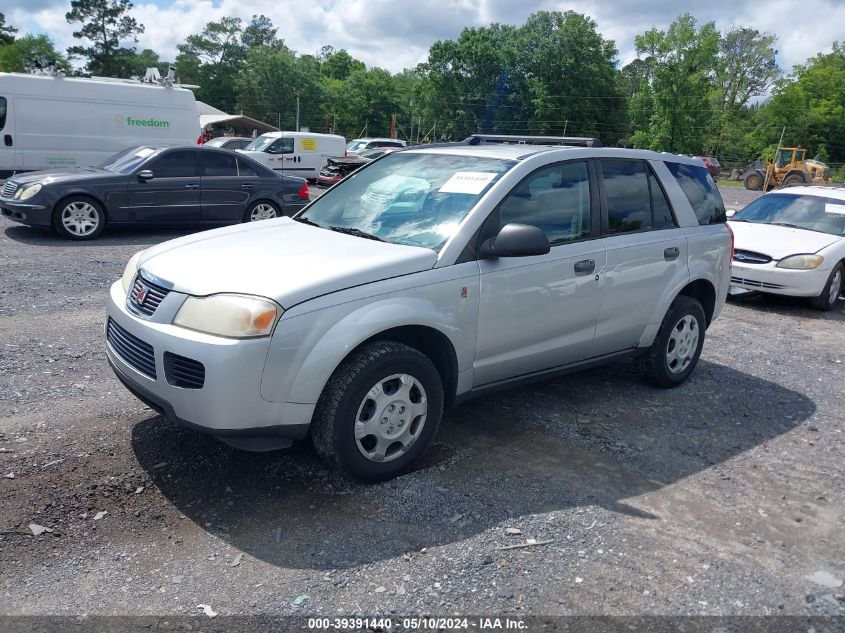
(750, 257)
(9, 189)
(145, 297)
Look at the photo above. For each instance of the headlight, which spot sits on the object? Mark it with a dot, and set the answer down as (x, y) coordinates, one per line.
(235, 316)
(130, 271)
(801, 262)
(25, 193)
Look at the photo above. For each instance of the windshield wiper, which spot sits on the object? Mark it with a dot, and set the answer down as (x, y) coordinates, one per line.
(307, 221)
(348, 230)
(786, 224)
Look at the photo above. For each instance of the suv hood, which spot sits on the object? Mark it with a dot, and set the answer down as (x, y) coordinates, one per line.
(284, 260)
(778, 241)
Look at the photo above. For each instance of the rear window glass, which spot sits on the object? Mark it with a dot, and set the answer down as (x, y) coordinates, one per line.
(701, 192)
(3, 106)
(245, 169)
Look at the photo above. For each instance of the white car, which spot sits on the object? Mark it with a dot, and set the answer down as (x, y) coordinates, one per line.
(792, 242)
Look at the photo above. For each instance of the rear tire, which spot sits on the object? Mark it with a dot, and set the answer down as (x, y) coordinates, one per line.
(261, 210)
(677, 346)
(79, 218)
(379, 412)
(793, 180)
(831, 291)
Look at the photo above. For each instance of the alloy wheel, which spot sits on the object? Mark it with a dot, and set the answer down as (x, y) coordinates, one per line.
(80, 218)
(683, 343)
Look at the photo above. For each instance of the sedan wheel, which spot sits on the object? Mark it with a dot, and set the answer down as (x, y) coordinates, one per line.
(831, 291)
(262, 211)
(79, 219)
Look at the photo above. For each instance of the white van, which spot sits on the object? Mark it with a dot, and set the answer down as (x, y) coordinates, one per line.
(298, 153)
(51, 121)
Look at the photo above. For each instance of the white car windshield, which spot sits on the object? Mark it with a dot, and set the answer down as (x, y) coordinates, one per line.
(813, 213)
(413, 199)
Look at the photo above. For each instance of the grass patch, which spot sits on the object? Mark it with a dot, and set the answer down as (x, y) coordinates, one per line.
(737, 184)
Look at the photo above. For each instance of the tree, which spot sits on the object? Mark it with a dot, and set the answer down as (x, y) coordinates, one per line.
(105, 24)
(148, 58)
(29, 52)
(214, 59)
(259, 32)
(746, 66)
(681, 63)
(339, 64)
(7, 32)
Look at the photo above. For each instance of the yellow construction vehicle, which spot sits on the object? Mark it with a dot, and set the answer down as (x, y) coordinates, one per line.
(790, 167)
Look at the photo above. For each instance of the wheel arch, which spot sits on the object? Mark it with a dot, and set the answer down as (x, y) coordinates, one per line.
(703, 291)
(80, 194)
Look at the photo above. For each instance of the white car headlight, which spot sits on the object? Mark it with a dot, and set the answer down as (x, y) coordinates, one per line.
(130, 271)
(801, 262)
(25, 193)
(235, 316)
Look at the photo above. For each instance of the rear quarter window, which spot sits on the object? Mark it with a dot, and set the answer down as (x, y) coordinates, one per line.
(703, 196)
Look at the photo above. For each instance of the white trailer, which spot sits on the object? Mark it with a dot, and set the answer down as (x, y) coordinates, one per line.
(49, 121)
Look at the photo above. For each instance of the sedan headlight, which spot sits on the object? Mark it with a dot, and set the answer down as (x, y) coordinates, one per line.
(801, 262)
(130, 271)
(235, 316)
(25, 193)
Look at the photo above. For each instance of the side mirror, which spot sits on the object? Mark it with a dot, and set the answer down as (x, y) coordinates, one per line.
(144, 175)
(516, 240)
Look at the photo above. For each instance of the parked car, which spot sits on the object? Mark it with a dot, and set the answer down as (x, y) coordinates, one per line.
(52, 121)
(428, 277)
(362, 144)
(229, 142)
(296, 153)
(339, 167)
(712, 165)
(792, 242)
(155, 185)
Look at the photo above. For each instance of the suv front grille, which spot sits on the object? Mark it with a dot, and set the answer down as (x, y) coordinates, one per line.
(750, 257)
(183, 372)
(9, 189)
(145, 297)
(130, 348)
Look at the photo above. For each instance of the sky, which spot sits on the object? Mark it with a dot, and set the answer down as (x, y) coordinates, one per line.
(396, 34)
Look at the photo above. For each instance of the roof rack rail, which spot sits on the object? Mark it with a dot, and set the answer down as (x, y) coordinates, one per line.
(579, 141)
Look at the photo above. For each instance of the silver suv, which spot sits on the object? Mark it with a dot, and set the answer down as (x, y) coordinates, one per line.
(428, 277)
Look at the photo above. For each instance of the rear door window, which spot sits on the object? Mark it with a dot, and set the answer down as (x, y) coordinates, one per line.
(627, 192)
(217, 164)
(178, 164)
(245, 169)
(661, 210)
(3, 106)
(701, 192)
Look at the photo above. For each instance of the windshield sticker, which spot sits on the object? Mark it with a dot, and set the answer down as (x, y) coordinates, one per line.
(143, 153)
(472, 182)
(838, 209)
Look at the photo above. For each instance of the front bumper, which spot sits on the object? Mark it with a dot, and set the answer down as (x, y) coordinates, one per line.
(26, 212)
(229, 403)
(780, 281)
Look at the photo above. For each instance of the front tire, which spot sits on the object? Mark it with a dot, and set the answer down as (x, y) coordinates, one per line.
(79, 218)
(831, 291)
(379, 412)
(677, 346)
(793, 180)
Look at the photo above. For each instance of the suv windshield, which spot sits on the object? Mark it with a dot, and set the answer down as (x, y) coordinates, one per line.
(128, 160)
(413, 199)
(813, 213)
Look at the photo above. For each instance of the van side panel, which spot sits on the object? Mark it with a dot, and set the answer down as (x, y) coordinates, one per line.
(67, 122)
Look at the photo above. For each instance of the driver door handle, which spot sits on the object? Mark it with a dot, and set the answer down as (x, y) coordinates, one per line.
(192, 186)
(585, 266)
(671, 253)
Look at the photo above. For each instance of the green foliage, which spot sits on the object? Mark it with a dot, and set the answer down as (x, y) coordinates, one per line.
(105, 24)
(7, 32)
(677, 86)
(28, 52)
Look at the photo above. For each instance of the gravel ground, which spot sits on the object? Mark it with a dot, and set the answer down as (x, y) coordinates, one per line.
(724, 496)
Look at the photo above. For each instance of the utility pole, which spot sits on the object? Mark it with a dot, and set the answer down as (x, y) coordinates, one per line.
(411, 135)
(297, 111)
